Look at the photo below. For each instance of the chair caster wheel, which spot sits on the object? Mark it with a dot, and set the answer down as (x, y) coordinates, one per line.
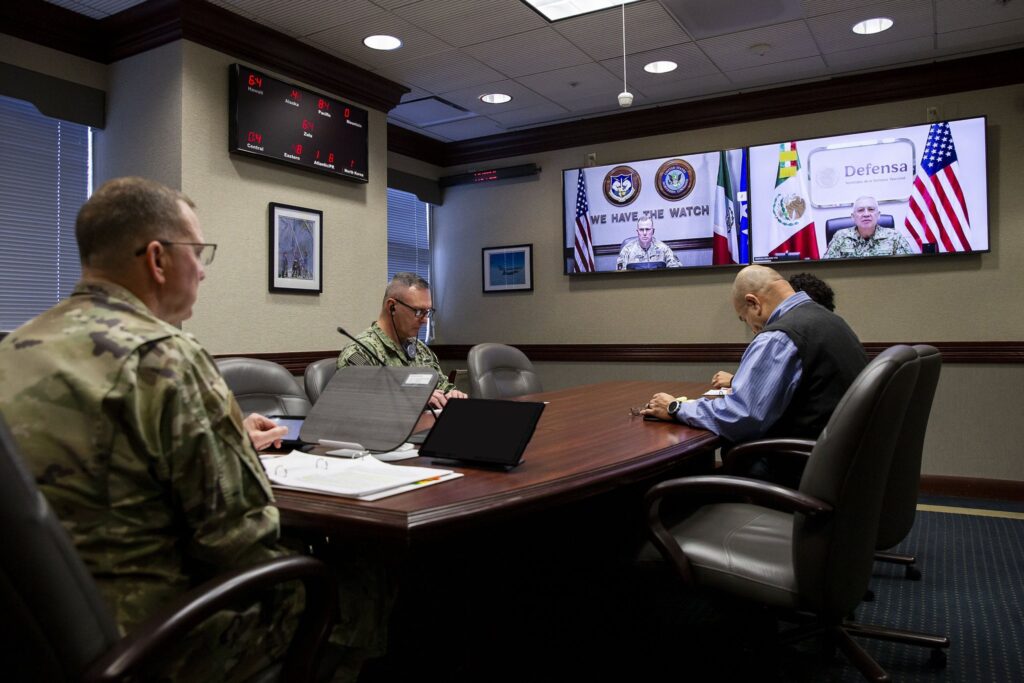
(912, 573)
(938, 658)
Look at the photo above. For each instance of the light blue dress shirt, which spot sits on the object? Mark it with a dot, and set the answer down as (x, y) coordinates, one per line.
(762, 388)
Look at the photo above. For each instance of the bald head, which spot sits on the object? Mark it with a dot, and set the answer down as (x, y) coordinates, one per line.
(756, 292)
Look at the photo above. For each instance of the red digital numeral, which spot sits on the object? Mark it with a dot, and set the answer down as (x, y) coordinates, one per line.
(323, 105)
(347, 112)
(296, 95)
(253, 136)
(255, 81)
(307, 125)
(297, 149)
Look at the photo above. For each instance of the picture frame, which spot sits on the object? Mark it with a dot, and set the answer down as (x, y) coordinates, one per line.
(508, 269)
(296, 249)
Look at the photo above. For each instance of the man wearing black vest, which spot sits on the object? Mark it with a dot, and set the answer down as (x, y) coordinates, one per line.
(792, 375)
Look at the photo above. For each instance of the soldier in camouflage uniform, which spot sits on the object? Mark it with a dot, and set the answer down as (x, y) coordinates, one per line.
(407, 305)
(135, 439)
(866, 238)
(646, 249)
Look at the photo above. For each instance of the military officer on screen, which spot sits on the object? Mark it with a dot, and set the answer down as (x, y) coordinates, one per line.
(646, 249)
(865, 238)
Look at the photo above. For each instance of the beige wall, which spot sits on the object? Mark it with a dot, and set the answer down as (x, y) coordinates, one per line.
(977, 427)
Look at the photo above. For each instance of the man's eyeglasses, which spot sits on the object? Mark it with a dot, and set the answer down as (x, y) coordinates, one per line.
(418, 312)
(204, 251)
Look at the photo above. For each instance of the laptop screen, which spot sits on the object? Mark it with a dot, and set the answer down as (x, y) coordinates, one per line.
(484, 431)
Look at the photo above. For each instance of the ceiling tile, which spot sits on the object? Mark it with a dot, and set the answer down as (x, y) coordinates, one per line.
(470, 128)
(79, 7)
(106, 8)
(813, 8)
(884, 55)
(443, 71)
(538, 113)
(303, 17)
(468, 22)
(787, 42)
(648, 26)
(1010, 33)
(470, 97)
(346, 39)
(704, 19)
(692, 63)
(701, 86)
(568, 86)
(911, 19)
(421, 131)
(428, 112)
(779, 72)
(529, 53)
(953, 15)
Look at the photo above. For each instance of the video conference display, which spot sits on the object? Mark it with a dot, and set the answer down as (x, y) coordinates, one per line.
(917, 190)
(674, 212)
(928, 182)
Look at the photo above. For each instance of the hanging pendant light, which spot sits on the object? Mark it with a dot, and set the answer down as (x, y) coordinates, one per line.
(625, 97)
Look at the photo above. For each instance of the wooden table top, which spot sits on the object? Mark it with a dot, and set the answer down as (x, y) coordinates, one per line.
(586, 442)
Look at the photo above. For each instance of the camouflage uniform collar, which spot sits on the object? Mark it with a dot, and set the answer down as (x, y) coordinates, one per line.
(109, 290)
(385, 339)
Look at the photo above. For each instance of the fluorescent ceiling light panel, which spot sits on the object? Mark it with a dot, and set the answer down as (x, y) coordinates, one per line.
(553, 10)
(871, 26)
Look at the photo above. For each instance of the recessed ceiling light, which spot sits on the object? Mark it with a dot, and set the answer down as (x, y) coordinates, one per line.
(382, 42)
(553, 10)
(495, 98)
(871, 26)
(660, 67)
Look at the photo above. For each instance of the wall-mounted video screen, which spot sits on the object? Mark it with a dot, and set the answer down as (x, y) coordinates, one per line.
(918, 190)
(682, 211)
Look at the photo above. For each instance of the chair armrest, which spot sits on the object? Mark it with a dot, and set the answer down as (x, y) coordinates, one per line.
(741, 457)
(720, 488)
(135, 651)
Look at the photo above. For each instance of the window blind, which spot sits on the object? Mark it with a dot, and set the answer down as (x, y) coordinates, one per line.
(409, 239)
(44, 180)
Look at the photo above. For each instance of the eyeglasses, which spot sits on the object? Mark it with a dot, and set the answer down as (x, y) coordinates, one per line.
(204, 251)
(418, 312)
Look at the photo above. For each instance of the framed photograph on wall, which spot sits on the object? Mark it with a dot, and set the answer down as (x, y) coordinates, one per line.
(508, 269)
(296, 249)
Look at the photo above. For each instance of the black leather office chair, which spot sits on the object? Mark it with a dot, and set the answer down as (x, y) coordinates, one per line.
(808, 550)
(56, 626)
(317, 375)
(500, 371)
(903, 486)
(834, 225)
(261, 386)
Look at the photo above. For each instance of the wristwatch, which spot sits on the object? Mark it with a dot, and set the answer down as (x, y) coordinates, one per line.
(675, 405)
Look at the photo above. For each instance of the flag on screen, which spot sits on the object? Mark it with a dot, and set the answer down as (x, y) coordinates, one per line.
(584, 246)
(725, 247)
(792, 228)
(741, 200)
(938, 213)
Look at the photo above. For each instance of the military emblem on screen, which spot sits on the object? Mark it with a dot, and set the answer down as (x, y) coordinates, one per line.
(622, 185)
(789, 208)
(675, 179)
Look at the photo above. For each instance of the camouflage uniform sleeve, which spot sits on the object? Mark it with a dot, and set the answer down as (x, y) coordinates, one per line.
(834, 246)
(671, 260)
(901, 245)
(427, 358)
(353, 354)
(620, 263)
(193, 427)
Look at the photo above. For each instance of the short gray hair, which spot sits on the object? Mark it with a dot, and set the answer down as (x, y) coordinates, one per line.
(403, 281)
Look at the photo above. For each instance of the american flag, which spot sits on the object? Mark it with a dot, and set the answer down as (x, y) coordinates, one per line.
(938, 212)
(584, 249)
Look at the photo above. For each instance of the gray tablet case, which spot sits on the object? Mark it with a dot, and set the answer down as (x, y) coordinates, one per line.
(374, 406)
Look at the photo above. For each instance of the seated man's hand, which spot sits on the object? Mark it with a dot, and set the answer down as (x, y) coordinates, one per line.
(721, 380)
(437, 399)
(658, 406)
(263, 431)
(455, 393)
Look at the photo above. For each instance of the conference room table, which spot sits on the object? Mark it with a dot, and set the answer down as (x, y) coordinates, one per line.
(586, 443)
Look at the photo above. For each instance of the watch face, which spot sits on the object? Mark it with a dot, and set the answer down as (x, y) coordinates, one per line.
(673, 407)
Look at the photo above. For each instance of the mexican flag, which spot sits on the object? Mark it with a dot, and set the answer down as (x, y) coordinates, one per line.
(792, 226)
(725, 247)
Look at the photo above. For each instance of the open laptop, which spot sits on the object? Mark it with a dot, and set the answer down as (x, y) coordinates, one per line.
(372, 406)
(484, 432)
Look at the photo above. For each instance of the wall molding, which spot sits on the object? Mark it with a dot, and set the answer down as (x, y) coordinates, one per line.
(983, 352)
(972, 487)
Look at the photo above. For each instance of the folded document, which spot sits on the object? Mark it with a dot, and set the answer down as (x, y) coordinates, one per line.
(365, 478)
